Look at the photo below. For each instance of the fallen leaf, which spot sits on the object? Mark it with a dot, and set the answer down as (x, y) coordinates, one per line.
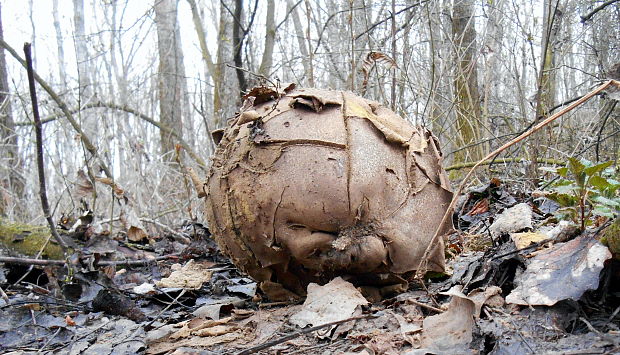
(565, 271)
(524, 240)
(513, 219)
(191, 276)
(337, 300)
(452, 329)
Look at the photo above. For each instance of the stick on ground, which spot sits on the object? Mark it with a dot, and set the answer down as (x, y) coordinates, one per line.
(38, 128)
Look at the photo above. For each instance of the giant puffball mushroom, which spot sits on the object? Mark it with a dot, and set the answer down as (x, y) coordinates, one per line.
(309, 184)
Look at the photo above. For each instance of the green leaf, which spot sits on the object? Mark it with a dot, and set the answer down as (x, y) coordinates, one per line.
(578, 170)
(567, 213)
(599, 182)
(603, 211)
(606, 201)
(567, 189)
(564, 200)
(563, 171)
(593, 170)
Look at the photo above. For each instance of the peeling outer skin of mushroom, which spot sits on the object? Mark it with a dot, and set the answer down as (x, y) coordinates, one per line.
(328, 184)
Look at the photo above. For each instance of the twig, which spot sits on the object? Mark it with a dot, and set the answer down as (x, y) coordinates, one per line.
(50, 340)
(149, 324)
(38, 128)
(180, 236)
(532, 246)
(587, 17)
(42, 262)
(503, 161)
(424, 305)
(281, 340)
(260, 76)
(4, 296)
(421, 269)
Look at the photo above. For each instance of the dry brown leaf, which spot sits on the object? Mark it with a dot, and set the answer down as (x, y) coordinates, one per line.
(337, 300)
(190, 276)
(452, 329)
(565, 271)
(524, 240)
(84, 186)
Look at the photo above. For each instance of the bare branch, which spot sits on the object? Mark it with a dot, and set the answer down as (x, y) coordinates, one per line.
(38, 128)
(587, 17)
(63, 107)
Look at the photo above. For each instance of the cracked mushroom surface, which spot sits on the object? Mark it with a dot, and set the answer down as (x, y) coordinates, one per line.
(310, 184)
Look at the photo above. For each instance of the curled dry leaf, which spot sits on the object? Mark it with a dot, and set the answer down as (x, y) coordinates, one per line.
(452, 329)
(328, 184)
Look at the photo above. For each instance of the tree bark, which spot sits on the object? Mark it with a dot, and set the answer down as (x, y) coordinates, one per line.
(238, 37)
(467, 96)
(270, 39)
(62, 74)
(81, 52)
(213, 70)
(545, 94)
(171, 76)
(11, 181)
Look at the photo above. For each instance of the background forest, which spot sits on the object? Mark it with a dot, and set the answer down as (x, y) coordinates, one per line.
(130, 90)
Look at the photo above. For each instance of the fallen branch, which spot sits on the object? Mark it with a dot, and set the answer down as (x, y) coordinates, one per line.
(281, 340)
(421, 269)
(38, 128)
(44, 262)
(503, 161)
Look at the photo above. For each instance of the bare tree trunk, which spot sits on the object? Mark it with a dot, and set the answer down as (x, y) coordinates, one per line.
(301, 42)
(545, 94)
(439, 47)
(81, 52)
(468, 113)
(171, 76)
(11, 181)
(238, 37)
(492, 46)
(270, 36)
(62, 74)
(225, 54)
(212, 69)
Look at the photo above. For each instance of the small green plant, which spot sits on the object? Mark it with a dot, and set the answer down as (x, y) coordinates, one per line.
(584, 190)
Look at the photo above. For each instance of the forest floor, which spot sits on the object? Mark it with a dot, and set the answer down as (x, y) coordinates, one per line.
(518, 282)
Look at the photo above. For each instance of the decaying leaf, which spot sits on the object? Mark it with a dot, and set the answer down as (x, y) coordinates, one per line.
(83, 185)
(328, 184)
(513, 219)
(452, 329)
(190, 276)
(451, 332)
(565, 271)
(525, 239)
(335, 301)
(197, 332)
(373, 58)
